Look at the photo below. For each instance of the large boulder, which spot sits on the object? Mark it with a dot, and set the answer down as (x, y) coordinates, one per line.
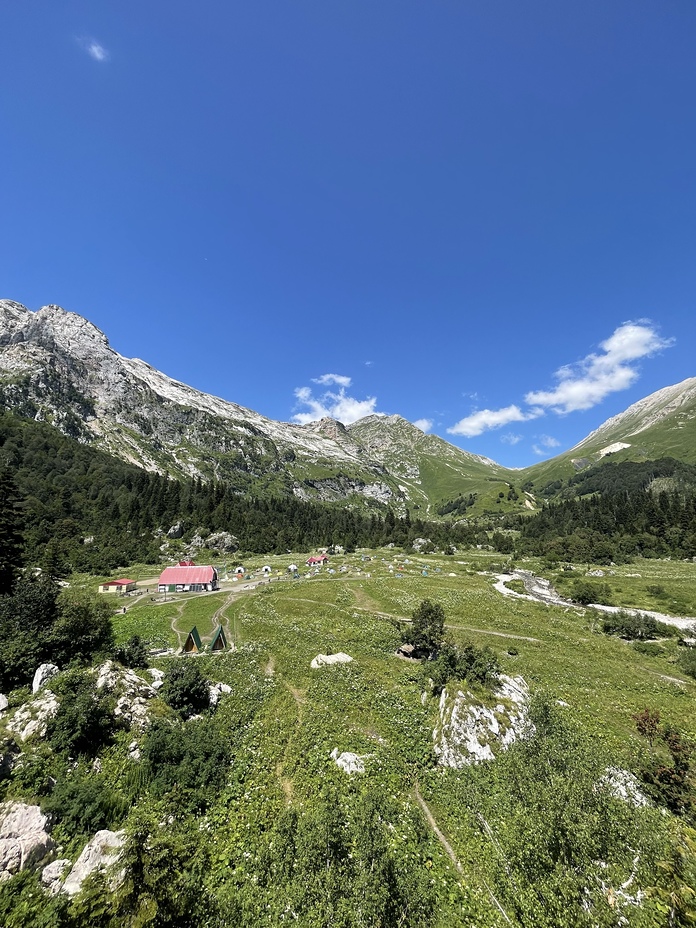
(24, 840)
(223, 542)
(4, 702)
(348, 761)
(43, 674)
(323, 660)
(176, 531)
(468, 731)
(99, 853)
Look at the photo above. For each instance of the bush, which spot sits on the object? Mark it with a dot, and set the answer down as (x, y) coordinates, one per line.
(85, 804)
(192, 759)
(133, 654)
(476, 665)
(85, 719)
(635, 626)
(586, 592)
(185, 689)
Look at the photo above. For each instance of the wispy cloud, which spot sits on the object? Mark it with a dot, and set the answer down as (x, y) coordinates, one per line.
(511, 438)
(486, 419)
(425, 425)
(580, 386)
(548, 441)
(337, 379)
(587, 383)
(334, 404)
(93, 48)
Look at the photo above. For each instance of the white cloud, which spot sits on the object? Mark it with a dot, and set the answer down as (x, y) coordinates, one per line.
(485, 419)
(587, 383)
(537, 450)
(338, 405)
(337, 379)
(425, 425)
(548, 441)
(93, 48)
(511, 438)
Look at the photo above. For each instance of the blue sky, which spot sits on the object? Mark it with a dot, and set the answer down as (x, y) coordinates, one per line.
(480, 216)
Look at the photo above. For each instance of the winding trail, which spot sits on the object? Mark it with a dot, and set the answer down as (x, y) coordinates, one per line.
(540, 590)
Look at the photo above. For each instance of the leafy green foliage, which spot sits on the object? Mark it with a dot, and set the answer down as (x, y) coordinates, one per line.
(185, 688)
(189, 761)
(427, 631)
(463, 662)
(85, 721)
(586, 592)
(11, 527)
(84, 803)
(132, 654)
(635, 626)
(37, 625)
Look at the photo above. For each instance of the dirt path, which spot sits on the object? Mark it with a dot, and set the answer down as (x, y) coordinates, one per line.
(436, 830)
(488, 631)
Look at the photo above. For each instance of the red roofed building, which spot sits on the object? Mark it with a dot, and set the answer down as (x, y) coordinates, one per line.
(317, 561)
(190, 579)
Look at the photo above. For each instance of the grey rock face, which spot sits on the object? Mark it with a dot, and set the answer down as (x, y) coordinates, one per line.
(32, 718)
(52, 875)
(43, 674)
(222, 541)
(99, 853)
(176, 531)
(24, 840)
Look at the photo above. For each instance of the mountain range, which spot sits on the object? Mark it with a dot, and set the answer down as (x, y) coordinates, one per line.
(58, 367)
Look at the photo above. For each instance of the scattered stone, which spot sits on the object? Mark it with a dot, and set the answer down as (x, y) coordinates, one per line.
(52, 875)
(99, 853)
(134, 750)
(43, 674)
(24, 840)
(322, 660)
(595, 573)
(351, 763)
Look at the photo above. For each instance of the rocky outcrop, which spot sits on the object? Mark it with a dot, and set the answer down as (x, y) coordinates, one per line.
(131, 691)
(99, 853)
(216, 691)
(32, 718)
(24, 839)
(469, 732)
(323, 660)
(44, 673)
(223, 542)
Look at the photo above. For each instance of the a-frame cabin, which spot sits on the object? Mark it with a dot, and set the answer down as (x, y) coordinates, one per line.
(192, 645)
(219, 642)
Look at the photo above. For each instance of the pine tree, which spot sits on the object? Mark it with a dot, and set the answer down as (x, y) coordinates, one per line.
(11, 527)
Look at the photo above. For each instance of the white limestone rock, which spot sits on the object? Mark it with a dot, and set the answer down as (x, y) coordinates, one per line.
(24, 840)
(4, 702)
(52, 875)
(467, 730)
(43, 674)
(131, 690)
(323, 660)
(99, 853)
(32, 718)
(348, 761)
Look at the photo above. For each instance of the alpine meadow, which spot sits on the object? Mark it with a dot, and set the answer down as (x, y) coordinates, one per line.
(261, 673)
